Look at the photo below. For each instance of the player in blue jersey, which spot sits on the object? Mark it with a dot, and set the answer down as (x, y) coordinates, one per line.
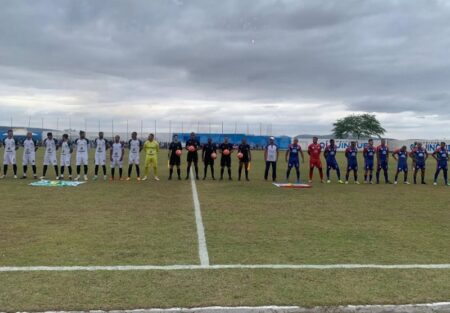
(420, 155)
(441, 157)
(330, 156)
(369, 158)
(401, 155)
(351, 153)
(292, 159)
(383, 161)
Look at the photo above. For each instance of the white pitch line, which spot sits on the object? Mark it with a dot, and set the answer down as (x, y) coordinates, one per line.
(202, 248)
(222, 267)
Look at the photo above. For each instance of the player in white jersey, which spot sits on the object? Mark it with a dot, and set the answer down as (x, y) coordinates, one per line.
(29, 155)
(101, 145)
(82, 144)
(135, 147)
(66, 156)
(271, 158)
(9, 157)
(50, 145)
(116, 156)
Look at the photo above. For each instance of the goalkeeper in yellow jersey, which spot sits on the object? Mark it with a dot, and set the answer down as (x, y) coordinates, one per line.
(151, 147)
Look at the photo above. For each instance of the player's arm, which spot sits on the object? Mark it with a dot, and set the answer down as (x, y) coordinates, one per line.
(110, 155)
(394, 155)
(309, 150)
(426, 155)
(278, 153)
(35, 145)
(265, 154)
(325, 152)
(378, 154)
(123, 152)
(434, 154)
(17, 145)
(249, 154)
(287, 154)
(141, 145)
(347, 152)
(303, 156)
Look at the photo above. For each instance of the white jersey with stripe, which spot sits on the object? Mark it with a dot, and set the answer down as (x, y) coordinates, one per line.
(65, 147)
(134, 146)
(117, 150)
(82, 146)
(29, 146)
(10, 145)
(100, 146)
(50, 146)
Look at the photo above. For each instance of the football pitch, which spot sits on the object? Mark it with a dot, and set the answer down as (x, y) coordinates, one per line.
(128, 245)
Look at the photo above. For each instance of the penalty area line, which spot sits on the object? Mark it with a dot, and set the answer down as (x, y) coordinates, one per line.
(224, 267)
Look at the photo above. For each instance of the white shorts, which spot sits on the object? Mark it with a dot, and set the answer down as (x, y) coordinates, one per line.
(9, 158)
(133, 158)
(65, 159)
(50, 159)
(116, 162)
(29, 159)
(82, 159)
(100, 158)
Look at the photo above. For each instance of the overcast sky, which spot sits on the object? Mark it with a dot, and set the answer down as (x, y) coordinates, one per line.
(297, 64)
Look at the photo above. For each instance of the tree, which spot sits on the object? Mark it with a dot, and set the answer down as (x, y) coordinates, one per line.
(363, 125)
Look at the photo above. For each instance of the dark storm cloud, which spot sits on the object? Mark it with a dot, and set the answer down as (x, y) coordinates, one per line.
(375, 56)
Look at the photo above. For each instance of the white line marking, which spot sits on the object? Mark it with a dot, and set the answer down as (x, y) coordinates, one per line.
(421, 307)
(221, 267)
(202, 248)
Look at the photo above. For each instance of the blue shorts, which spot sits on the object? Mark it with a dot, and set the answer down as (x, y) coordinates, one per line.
(332, 165)
(369, 165)
(293, 163)
(352, 166)
(402, 167)
(383, 165)
(420, 165)
(442, 166)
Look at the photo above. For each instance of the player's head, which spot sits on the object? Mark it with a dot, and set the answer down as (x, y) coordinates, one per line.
(209, 140)
(49, 135)
(383, 142)
(117, 138)
(192, 135)
(134, 135)
(371, 142)
(151, 137)
(82, 134)
(65, 136)
(175, 138)
(419, 145)
(296, 141)
(403, 148)
(315, 139)
(443, 144)
(244, 141)
(353, 144)
(271, 140)
(100, 135)
(331, 142)
(10, 133)
(225, 139)
(29, 135)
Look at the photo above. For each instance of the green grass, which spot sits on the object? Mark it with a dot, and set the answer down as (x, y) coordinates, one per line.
(138, 223)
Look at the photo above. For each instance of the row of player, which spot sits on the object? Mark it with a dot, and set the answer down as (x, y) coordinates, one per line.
(371, 154)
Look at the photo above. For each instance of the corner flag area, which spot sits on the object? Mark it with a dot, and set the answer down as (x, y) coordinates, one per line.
(129, 244)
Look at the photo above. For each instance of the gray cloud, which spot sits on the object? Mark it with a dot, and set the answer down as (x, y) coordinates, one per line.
(244, 57)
